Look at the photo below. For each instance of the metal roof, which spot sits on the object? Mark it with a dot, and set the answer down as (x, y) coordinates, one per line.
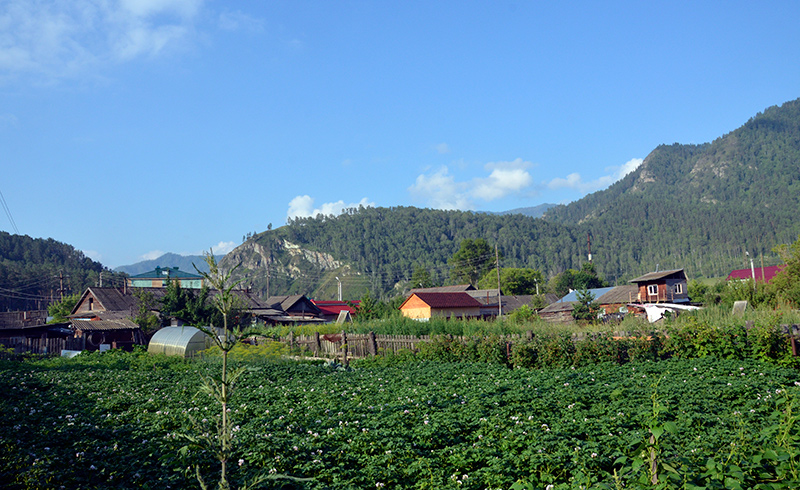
(653, 276)
(447, 300)
(166, 273)
(103, 325)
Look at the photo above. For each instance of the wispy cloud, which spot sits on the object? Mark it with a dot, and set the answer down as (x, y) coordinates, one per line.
(442, 148)
(576, 182)
(152, 255)
(303, 206)
(223, 248)
(441, 190)
(56, 39)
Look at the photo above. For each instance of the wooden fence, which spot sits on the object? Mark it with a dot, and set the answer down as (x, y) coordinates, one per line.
(349, 345)
(42, 345)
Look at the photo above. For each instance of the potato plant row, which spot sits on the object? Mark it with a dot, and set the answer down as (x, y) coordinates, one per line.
(118, 420)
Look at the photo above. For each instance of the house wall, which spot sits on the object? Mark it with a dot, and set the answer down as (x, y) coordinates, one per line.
(161, 283)
(416, 308)
(457, 312)
(89, 304)
(666, 291)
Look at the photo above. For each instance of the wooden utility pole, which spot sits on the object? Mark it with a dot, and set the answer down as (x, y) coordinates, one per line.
(499, 294)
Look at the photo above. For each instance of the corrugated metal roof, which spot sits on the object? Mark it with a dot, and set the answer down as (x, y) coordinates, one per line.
(573, 296)
(619, 295)
(652, 276)
(166, 273)
(459, 288)
(762, 273)
(448, 300)
(103, 325)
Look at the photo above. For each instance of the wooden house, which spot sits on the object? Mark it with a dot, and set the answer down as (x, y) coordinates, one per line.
(115, 334)
(662, 287)
(425, 305)
(160, 277)
(296, 308)
(612, 301)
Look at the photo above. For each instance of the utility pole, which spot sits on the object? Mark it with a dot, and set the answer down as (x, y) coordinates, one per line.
(499, 294)
(61, 284)
(589, 243)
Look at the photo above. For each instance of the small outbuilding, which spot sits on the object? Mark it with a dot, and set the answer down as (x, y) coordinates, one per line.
(179, 341)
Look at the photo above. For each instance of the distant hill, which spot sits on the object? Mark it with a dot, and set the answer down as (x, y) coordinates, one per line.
(701, 206)
(33, 271)
(697, 207)
(183, 262)
(533, 212)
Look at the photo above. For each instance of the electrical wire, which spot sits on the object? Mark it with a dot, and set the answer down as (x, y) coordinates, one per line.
(8, 213)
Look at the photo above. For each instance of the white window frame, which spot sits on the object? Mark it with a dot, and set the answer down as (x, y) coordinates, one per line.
(679, 288)
(652, 289)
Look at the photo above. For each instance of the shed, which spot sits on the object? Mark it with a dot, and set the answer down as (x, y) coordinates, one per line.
(179, 341)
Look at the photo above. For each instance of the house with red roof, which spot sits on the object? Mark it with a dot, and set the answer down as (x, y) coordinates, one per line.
(762, 274)
(330, 310)
(426, 305)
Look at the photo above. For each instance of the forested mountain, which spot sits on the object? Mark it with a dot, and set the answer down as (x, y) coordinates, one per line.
(32, 271)
(700, 206)
(697, 207)
(183, 262)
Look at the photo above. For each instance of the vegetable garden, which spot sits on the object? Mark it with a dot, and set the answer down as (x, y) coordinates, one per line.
(118, 420)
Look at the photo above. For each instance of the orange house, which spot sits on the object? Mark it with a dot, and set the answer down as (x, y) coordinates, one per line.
(424, 306)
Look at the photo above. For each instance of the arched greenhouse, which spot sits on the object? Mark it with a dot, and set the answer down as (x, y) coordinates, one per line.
(179, 341)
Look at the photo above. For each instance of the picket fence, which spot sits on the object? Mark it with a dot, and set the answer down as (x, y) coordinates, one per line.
(346, 346)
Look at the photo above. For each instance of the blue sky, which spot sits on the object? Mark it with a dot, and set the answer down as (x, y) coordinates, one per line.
(135, 127)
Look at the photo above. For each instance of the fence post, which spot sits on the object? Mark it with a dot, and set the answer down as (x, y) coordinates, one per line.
(372, 344)
(344, 346)
(317, 344)
(291, 340)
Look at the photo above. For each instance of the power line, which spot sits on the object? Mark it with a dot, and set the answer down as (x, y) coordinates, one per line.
(8, 213)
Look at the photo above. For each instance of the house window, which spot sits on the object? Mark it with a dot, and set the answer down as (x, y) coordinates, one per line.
(652, 290)
(679, 288)
(91, 304)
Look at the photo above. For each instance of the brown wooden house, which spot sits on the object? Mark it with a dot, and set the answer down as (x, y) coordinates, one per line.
(424, 306)
(663, 287)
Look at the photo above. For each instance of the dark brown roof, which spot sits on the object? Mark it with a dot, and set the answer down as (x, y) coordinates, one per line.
(87, 325)
(654, 276)
(448, 300)
(444, 289)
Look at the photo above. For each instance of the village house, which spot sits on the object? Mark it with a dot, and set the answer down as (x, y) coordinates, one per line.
(612, 301)
(160, 277)
(760, 274)
(424, 306)
(662, 287)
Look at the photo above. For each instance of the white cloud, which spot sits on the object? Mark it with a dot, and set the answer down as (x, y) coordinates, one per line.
(303, 206)
(442, 148)
(56, 39)
(575, 181)
(152, 255)
(440, 190)
(223, 248)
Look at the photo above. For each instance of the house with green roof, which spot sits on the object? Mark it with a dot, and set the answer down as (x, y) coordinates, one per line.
(161, 276)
